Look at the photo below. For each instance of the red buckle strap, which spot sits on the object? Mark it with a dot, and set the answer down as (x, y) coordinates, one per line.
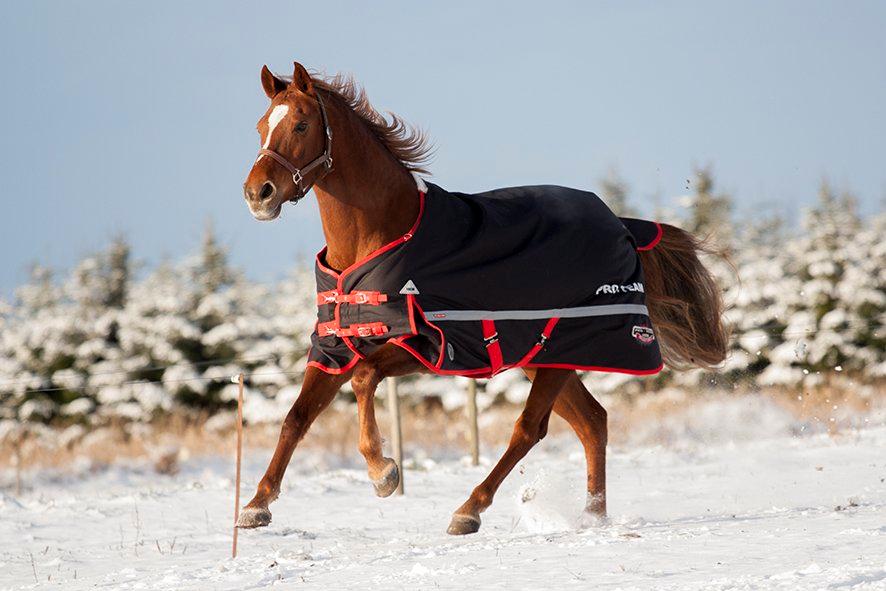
(542, 341)
(493, 347)
(326, 297)
(327, 329)
(369, 298)
(367, 329)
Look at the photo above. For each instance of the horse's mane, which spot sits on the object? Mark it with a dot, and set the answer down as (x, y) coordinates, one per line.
(408, 144)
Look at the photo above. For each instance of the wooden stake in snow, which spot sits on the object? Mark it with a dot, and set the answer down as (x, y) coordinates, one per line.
(239, 380)
(396, 431)
(473, 427)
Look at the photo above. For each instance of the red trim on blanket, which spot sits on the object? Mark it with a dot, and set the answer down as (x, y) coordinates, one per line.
(376, 252)
(486, 372)
(334, 370)
(655, 240)
(636, 372)
(410, 304)
(421, 312)
(323, 267)
(483, 372)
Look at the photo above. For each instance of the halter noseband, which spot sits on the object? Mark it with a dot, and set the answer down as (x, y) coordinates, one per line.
(299, 174)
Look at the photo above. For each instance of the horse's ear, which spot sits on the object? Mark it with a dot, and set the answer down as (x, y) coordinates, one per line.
(302, 79)
(272, 85)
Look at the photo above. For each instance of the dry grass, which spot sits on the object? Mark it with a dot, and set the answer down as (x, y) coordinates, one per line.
(428, 427)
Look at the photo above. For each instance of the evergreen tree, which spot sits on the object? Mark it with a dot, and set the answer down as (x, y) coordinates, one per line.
(213, 272)
(614, 192)
(709, 213)
(39, 293)
(840, 297)
(118, 273)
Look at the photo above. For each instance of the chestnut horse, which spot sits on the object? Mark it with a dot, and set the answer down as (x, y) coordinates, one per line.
(367, 199)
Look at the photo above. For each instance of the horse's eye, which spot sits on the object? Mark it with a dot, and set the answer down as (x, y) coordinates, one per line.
(301, 127)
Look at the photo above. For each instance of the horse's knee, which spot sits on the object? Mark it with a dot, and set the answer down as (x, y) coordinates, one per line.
(365, 378)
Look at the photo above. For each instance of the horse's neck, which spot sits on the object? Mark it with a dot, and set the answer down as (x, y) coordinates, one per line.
(368, 200)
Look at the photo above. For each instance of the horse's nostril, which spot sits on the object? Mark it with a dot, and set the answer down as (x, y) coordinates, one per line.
(267, 190)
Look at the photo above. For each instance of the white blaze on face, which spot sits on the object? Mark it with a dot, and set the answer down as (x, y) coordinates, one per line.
(274, 119)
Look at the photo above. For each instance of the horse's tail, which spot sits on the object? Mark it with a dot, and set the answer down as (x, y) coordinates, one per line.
(685, 304)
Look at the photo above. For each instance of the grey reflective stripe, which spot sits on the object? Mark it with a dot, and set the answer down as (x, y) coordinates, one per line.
(579, 312)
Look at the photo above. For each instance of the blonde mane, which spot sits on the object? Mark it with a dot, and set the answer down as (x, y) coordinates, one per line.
(408, 144)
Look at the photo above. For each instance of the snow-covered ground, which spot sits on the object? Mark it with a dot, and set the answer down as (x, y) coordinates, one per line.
(775, 512)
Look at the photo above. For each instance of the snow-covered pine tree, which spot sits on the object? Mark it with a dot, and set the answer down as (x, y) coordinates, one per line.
(755, 306)
(709, 217)
(709, 214)
(839, 298)
(614, 192)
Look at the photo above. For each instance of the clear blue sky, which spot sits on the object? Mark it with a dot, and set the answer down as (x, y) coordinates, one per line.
(138, 117)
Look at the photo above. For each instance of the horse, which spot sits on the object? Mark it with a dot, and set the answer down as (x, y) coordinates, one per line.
(365, 170)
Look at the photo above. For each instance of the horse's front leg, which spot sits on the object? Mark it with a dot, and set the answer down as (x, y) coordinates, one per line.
(531, 427)
(388, 361)
(318, 390)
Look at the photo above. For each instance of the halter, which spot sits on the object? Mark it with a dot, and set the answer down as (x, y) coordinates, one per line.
(299, 174)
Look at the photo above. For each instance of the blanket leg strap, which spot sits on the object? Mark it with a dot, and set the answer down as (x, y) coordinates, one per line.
(493, 347)
(542, 340)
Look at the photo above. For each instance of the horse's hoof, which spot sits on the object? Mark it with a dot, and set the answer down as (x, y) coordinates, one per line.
(252, 517)
(462, 524)
(591, 519)
(387, 483)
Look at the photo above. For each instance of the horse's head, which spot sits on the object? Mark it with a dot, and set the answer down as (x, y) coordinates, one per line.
(295, 148)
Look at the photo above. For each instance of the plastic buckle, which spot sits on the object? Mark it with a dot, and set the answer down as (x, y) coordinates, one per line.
(491, 339)
(328, 329)
(368, 330)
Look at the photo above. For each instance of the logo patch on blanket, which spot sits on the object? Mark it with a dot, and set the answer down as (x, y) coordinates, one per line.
(643, 334)
(616, 288)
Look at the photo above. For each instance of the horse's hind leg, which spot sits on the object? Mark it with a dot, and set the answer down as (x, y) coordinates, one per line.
(530, 428)
(588, 419)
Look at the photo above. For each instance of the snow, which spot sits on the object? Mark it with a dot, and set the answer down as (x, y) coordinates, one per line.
(754, 509)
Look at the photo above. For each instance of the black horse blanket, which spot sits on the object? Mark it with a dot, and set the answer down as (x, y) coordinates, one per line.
(539, 276)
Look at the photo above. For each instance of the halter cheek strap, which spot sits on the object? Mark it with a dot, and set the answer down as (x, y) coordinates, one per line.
(299, 174)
